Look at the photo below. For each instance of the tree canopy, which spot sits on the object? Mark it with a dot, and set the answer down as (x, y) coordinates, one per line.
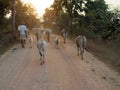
(90, 17)
(23, 13)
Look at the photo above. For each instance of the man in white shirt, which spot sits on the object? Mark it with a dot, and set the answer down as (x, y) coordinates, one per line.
(23, 34)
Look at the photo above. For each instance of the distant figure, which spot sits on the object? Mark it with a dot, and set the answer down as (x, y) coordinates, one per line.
(23, 33)
(64, 35)
(81, 45)
(48, 34)
(41, 45)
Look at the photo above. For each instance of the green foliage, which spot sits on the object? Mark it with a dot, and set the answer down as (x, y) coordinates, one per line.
(4, 9)
(5, 6)
(23, 13)
(26, 13)
(63, 12)
(96, 13)
(89, 17)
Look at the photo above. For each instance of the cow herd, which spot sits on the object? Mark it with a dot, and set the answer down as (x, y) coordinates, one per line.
(43, 36)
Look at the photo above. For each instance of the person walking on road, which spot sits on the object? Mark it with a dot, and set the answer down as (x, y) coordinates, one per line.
(23, 33)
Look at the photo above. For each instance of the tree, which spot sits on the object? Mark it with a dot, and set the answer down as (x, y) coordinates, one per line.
(97, 15)
(113, 26)
(26, 13)
(4, 9)
(68, 8)
(83, 16)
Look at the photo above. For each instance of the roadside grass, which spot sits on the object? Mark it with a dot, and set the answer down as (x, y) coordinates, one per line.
(6, 43)
(108, 52)
(4, 48)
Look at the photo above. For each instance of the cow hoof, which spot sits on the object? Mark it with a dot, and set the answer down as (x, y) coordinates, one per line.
(43, 61)
(23, 46)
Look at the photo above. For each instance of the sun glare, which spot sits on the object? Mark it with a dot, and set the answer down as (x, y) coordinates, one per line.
(40, 5)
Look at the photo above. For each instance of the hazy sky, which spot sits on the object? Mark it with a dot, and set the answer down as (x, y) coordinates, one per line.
(40, 5)
(113, 3)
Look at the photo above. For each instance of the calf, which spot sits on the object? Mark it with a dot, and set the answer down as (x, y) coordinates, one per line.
(57, 41)
(30, 41)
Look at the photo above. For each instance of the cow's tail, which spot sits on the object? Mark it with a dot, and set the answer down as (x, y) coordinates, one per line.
(84, 44)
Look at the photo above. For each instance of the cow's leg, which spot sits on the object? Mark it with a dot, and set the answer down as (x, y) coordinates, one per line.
(82, 56)
(37, 38)
(58, 46)
(22, 43)
(41, 57)
(49, 38)
(64, 39)
(57, 42)
(82, 52)
(78, 50)
(25, 42)
(30, 43)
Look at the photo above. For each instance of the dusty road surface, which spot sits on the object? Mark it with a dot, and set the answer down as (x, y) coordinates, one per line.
(20, 69)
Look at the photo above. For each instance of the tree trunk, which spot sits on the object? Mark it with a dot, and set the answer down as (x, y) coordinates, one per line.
(13, 20)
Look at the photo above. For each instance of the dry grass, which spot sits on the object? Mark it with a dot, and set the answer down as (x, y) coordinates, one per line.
(108, 52)
(5, 43)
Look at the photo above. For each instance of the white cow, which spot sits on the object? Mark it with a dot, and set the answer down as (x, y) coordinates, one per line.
(31, 41)
(41, 45)
(81, 45)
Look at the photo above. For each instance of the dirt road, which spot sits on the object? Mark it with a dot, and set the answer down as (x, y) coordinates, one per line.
(20, 69)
